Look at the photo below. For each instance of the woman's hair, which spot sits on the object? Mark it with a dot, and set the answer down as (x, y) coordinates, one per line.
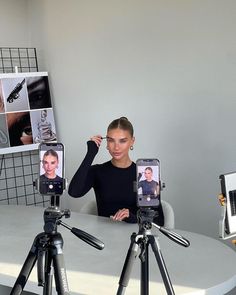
(51, 153)
(122, 123)
(149, 168)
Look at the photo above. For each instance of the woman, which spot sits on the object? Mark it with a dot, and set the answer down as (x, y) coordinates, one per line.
(112, 181)
(50, 163)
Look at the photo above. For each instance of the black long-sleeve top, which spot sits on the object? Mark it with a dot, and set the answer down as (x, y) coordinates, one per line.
(113, 186)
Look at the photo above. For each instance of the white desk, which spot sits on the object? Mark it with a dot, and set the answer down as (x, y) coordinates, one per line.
(206, 267)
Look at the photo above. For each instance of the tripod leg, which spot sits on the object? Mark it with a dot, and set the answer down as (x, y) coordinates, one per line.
(129, 260)
(47, 280)
(60, 275)
(25, 272)
(55, 262)
(144, 286)
(162, 266)
(41, 267)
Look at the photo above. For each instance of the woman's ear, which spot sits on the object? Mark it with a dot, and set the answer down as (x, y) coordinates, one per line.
(133, 140)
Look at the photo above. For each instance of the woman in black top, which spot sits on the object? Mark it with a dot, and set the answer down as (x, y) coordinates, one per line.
(112, 181)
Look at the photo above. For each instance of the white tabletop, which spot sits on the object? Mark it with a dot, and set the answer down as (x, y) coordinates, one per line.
(206, 267)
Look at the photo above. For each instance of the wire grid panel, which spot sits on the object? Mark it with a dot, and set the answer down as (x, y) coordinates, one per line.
(17, 59)
(18, 173)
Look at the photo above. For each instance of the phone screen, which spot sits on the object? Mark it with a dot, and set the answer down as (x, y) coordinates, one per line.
(148, 182)
(51, 170)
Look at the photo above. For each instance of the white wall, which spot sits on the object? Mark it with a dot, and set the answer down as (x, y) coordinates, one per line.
(169, 66)
(14, 27)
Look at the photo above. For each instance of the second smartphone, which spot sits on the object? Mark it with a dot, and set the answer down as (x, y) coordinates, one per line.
(148, 182)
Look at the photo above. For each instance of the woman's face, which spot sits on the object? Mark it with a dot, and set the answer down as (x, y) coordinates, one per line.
(118, 143)
(148, 174)
(50, 164)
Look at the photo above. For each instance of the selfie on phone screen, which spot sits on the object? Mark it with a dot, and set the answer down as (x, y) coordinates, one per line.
(51, 169)
(148, 182)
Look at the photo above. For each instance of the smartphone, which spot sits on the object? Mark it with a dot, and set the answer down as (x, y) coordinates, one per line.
(51, 169)
(228, 189)
(148, 182)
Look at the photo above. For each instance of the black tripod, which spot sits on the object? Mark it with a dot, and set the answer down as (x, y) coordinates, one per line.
(142, 241)
(47, 249)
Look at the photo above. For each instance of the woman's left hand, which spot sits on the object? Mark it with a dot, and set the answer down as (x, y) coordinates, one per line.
(121, 214)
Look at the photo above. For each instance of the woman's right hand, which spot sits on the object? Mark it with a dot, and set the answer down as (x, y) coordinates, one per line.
(97, 139)
(120, 215)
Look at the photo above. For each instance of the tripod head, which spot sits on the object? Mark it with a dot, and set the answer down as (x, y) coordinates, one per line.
(52, 215)
(145, 217)
(52, 218)
(145, 220)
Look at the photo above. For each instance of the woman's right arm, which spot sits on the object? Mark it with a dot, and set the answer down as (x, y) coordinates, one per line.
(82, 181)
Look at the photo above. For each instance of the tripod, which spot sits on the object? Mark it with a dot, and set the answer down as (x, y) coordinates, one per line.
(141, 241)
(47, 249)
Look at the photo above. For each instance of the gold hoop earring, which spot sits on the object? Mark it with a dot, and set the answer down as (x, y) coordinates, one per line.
(131, 148)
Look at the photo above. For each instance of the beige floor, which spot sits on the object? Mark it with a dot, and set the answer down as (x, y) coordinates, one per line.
(4, 290)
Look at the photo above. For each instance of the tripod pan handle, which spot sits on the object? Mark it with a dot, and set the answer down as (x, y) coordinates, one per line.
(89, 239)
(175, 237)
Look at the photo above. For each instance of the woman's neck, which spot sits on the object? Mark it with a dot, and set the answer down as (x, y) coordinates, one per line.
(50, 176)
(124, 163)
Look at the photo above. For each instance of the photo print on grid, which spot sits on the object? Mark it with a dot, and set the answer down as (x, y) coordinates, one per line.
(26, 113)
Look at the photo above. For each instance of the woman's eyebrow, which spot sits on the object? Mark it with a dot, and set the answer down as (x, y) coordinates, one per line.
(123, 138)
